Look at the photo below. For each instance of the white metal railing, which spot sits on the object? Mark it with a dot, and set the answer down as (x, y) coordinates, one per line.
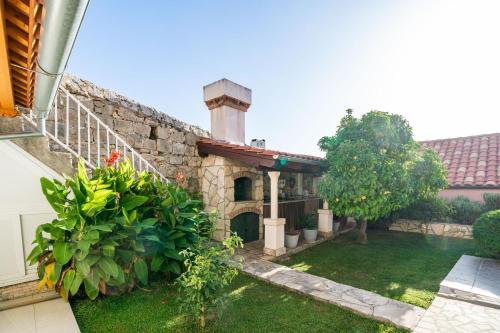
(69, 118)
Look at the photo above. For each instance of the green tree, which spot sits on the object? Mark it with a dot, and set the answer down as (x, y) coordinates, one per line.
(375, 168)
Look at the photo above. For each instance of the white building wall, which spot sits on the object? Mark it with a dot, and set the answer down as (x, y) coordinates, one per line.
(22, 208)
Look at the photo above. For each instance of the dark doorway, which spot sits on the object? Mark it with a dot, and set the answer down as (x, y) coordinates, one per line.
(246, 225)
(242, 189)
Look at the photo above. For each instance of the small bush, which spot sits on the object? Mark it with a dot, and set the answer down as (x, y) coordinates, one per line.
(429, 209)
(465, 211)
(491, 201)
(486, 232)
(208, 271)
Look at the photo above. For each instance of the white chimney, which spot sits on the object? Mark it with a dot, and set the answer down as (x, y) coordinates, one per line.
(227, 102)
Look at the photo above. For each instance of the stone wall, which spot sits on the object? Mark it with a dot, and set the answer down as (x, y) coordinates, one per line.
(167, 143)
(438, 229)
(217, 176)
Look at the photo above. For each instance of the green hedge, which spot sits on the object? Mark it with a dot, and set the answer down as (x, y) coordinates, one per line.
(458, 210)
(429, 209)
(491, 201)
(486, 232)
(464, 210)
(113, 230)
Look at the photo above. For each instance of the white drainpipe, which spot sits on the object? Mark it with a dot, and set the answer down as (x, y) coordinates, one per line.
(60, 26)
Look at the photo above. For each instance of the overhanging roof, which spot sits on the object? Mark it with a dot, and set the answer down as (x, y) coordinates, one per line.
(262, 158)
(20, 28)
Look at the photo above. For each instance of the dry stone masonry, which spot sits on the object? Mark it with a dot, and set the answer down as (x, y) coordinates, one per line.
(169, 144)
(217, 176)
(438, 229)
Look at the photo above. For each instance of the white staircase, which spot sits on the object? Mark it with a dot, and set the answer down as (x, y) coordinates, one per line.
(79, 131)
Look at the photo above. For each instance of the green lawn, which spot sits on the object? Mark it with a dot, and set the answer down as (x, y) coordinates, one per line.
(254, 306)
(403, 266)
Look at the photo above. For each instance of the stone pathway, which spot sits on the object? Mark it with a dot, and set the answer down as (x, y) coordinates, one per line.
(53, 316)
(256, 249)
(359, 300)
(454, 316)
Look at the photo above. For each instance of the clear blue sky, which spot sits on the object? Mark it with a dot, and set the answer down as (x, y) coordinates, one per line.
(435, 62)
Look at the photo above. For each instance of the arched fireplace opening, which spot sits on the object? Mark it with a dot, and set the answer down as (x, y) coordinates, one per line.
(242, 189)
(246, 225)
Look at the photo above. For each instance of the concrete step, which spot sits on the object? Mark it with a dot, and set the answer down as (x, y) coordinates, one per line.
(23, 294)
(475, 280)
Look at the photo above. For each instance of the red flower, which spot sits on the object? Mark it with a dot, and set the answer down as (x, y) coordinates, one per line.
(180, 179)
(113, 158)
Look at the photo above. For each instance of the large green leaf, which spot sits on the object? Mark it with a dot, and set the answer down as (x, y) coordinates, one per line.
(141, 270)
(83, 266)
(109, 266)
(63, 252)
(77, 281)
(172, 254)
(69, 277)
(108, 250)
(102, 227)
(91, 290)
(53, 195)
(156, 263)
(132, 201)
(174, 267)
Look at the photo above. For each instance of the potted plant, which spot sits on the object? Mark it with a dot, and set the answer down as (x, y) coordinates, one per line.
(292, 237)
(310, 227)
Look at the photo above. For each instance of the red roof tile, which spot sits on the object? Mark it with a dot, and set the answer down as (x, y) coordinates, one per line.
(261, 157)
(472, 161)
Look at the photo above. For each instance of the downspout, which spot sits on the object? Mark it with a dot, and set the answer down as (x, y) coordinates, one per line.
(60, 26)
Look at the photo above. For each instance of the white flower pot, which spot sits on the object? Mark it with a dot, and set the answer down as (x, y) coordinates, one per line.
(310, 235)
(291, 240)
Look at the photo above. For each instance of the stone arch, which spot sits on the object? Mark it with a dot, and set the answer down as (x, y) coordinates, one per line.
(237, 212)
(248, 174)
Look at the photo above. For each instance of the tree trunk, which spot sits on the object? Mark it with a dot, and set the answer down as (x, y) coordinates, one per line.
(202, 318)
(362, 238)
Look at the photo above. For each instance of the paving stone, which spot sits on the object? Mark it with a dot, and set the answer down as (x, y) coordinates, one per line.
(450, 316)
(359, 300)
(53, 316)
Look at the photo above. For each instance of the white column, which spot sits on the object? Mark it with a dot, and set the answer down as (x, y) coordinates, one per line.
(300, 183)
(274, 239)
(315, 185)
(325, 221)
(274, 176)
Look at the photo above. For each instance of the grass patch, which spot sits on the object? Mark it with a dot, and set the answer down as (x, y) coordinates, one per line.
(254, 306)
(402, 266)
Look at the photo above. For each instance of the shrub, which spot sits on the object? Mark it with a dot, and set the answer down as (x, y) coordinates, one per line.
(113, 230)
(207, 272)
(428, 209)
(486, 232)
(491, 201)
(464, 210)
(308, 221)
